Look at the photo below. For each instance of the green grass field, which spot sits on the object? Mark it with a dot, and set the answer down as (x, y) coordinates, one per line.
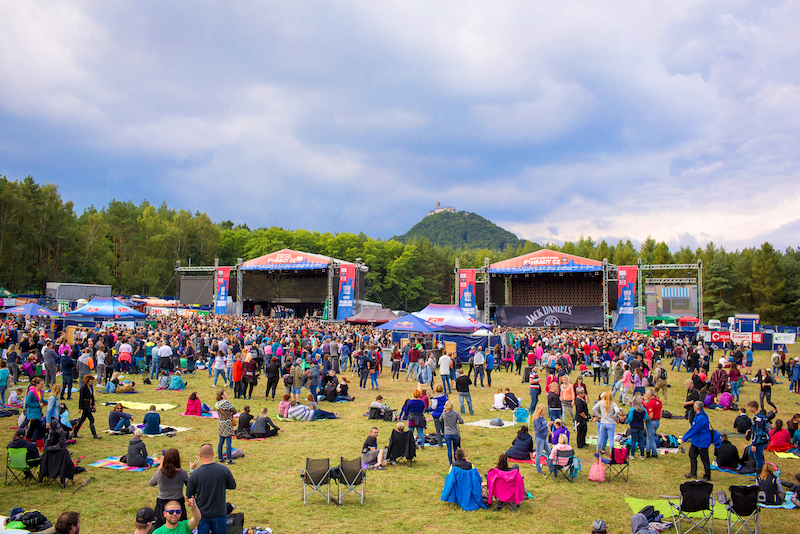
(399, 499)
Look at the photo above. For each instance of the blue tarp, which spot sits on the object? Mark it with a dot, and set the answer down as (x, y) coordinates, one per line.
(31, 310)
(106, 308)
(410, 323)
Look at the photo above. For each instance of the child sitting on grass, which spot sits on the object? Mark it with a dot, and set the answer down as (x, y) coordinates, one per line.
(283, 407)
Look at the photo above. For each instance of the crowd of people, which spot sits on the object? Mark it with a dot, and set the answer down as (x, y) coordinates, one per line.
(628, 373)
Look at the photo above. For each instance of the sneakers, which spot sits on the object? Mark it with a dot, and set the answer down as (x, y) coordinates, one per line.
(690, 476)
(230, 462)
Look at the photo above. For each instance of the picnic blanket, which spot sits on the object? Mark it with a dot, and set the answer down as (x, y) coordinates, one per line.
(787, 503)
(210, 415)
(176, 429)
(662, 507)
(484, 423)
(141, 405)
(787, 455)
(112, 462)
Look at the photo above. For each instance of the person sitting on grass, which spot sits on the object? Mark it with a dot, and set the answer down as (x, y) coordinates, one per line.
(163, 380)
(112, 385)
(522, 446)
(15, 399)
(32, 456)
(510, 401)
(283, 406)
(770, 484)
(137, 451)
(263, 427)
(779, 438)
(317, 413)
(118, 420)
(127, 387)
(152, 422)
(499, 400)
(742, 423)
(193, 405)
(176, 382)
(727, 454)
(371, 455)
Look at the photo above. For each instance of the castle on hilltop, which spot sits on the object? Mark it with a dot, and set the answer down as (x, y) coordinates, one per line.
(440, 209)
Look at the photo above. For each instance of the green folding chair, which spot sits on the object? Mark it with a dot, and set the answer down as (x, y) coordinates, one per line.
(17, 464)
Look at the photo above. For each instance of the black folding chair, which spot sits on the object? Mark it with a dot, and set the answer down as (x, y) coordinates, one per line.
(696, 497)
(617, 465)
(402, 446)
(351, 476)
(742, 507)
(57, 466)
(316, 474)
(557, 471)
(375, 413)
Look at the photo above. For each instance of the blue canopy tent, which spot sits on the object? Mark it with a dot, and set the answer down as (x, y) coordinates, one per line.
(107, 308)
(410, 323)
(31, 310)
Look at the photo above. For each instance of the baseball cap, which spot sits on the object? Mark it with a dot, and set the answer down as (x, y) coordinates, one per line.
(145, 516)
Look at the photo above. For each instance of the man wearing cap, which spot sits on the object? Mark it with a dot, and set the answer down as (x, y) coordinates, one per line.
(172, 518)
(145, 518)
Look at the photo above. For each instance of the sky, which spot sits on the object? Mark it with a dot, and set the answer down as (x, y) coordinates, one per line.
(617, 120)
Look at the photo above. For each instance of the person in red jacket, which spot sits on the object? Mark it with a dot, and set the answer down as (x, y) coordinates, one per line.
(236, 374)
(653, 406)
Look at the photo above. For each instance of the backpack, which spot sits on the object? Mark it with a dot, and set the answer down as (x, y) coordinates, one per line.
(663, 374)
(597, 473)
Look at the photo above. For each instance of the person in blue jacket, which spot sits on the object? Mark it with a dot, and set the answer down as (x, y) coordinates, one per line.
(699, 435)
(152, 422)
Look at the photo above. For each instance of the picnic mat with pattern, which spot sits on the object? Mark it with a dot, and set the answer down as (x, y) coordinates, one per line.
(484, 423)
(141, 405)
(787, 503)
(662, 506)
(542, 460)
(210, 415)
(112, 462)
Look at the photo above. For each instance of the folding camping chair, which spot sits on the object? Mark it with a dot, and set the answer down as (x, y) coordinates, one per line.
(742, 508)
(18, 465)
(351, 476)
(696, 497)
(316, 474)
(556, 470)
(402, 446)
(617, 464)
(375, 413)
(57, 466)
(508, 484)
(521, 415)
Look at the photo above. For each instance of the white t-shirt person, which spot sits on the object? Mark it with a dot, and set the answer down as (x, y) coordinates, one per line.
(444, 365)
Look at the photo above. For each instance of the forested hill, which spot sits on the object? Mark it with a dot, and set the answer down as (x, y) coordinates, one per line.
(461, 230)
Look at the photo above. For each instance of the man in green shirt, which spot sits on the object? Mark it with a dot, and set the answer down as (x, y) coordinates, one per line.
(172, 516)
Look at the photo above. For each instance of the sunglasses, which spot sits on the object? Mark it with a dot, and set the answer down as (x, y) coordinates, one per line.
(172, 512)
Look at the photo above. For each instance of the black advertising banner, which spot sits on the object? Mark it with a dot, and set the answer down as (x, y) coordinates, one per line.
(550, 316)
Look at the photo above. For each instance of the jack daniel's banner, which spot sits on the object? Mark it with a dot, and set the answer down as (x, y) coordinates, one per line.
(550, 316)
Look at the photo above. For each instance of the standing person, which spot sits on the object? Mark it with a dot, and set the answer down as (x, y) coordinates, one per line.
(479, 361)
(67, 373)
(463, 383)
(170, 479)
(699, 435)
(397, 359)
(759, 433)
(250, 370)
(207, 485)
(12, 357)
(734, 379)
(606, 410)
(86, 404)
(654, 407)
(4, 374)
(554, 402)
(692, 396)
(637, 419)
(490, 363)
(535, 388)
(437, 404)
(424, 376)
(581, 417)
(450, 422)
(445, 364)
(540, 434)
(413, 361)
(226, 428)
(49, 356)
(273, 372)
(374, 368)
(765, 382)
(34, 406)
(567, 397)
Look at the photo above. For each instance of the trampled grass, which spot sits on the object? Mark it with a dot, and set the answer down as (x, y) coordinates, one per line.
(400, 499)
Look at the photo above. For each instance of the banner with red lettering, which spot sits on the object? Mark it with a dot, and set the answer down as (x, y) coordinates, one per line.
(466, 291)
(223, 279)
(626, 286)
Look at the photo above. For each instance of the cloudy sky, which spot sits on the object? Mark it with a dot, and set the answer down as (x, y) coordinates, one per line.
(612, 119)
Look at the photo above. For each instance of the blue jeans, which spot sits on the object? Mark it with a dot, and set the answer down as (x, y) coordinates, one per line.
(412, 369)
(217, 374)
(66, 386)
(342, 364)
(111, 387)
(542, 448)
(735, 390)
(229, 374)
(154, 364)
(468, 397)
(638, 441)
(421, 436)
(446, 384)
(227, 442)
(3, 397)
(758, 456)
(213, 525)
(313, 390)
(534, 399)
(554, 414)
(479, 372)
(651, 427)
(452, 441)
(373, 380)
(123, 423)
(606, 434)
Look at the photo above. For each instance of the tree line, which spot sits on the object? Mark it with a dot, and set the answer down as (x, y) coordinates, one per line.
(135, 248)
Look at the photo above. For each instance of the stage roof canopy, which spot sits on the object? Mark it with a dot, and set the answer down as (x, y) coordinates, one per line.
(546, 261)
(290, 260)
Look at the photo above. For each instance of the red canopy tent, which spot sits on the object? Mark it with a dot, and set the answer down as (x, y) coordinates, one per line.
(688, 320)
(373, 316)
